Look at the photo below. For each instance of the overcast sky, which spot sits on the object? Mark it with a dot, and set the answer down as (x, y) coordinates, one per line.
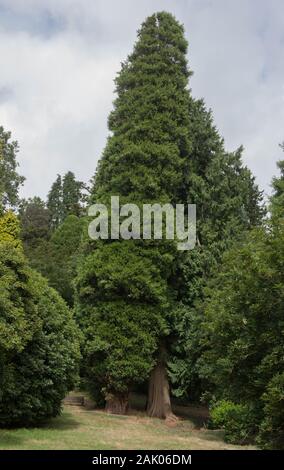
(58, 59)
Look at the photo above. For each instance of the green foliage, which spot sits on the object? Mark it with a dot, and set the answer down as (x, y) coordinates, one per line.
(145, 156)
(39, 347)
(228, 203)
(54, 203)
(185, 351)
(56, 258)
(243, 326)
(10, 229)
(121, 329)
(71, 195)
(34, 219)
(10, 180)
(40, 256)
(277, 199)
(237, 419)
(271, 434)
(18, 314)
(245, 302)
(164, 147)
(52, 253)
(124, 292)
(64, 251)
(65, 198)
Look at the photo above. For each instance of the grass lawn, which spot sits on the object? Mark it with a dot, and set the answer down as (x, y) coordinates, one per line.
(78, 428)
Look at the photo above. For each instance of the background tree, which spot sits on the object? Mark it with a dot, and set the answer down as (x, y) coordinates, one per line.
(66, 197)
(228, 204)
(54, 203)
(64, 250)
(71, 195)
(242, 336)
(10, 180)
(34, 219)
(243, 332)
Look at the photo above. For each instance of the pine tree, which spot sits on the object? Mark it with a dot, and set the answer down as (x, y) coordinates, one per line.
(71, 195)
(65, 198)
(123, 291)
(54, 203)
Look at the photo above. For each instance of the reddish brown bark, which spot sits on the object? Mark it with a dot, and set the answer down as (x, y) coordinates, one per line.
(117, 404)
(159, 400)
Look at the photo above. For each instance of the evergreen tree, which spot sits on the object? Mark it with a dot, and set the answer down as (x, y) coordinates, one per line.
(64, 252)
(71, 195)
(242, 334)
(164, 147)
(10, 180)
(123, 287)
(228, 204)
(54, 203)
(240, 342)
(65, 198)
(34, 219)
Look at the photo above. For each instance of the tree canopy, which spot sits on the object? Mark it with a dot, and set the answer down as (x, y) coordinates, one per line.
(39, 341)
(10, 180)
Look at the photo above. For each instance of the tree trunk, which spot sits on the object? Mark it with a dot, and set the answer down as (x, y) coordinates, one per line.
(117, 404)
(159, 401)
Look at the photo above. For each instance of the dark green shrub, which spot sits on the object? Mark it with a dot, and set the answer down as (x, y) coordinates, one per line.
(237, 419)
(39, 347)
(271, 434)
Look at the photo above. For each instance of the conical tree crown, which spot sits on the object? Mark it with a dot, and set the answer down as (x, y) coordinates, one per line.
(54, 202)
(144, 157)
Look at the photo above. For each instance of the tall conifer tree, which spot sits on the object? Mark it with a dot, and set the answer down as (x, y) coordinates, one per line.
(54, 203)
(71, 195)
(163, 148)
(123, 292)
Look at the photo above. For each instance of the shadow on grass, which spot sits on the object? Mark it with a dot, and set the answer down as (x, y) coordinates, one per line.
(21, 437)
(198, 415)
(63, 422)
(8, 440)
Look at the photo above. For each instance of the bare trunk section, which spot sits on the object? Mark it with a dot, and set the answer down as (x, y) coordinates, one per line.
(117, 404)
(159, 400)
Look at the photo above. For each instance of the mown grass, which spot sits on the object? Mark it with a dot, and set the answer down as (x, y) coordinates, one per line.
(78, 428)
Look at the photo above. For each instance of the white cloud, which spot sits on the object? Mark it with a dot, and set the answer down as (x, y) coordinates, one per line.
(59, 59)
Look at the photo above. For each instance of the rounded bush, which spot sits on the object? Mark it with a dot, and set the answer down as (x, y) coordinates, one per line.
(237, 419)
(39, 344)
